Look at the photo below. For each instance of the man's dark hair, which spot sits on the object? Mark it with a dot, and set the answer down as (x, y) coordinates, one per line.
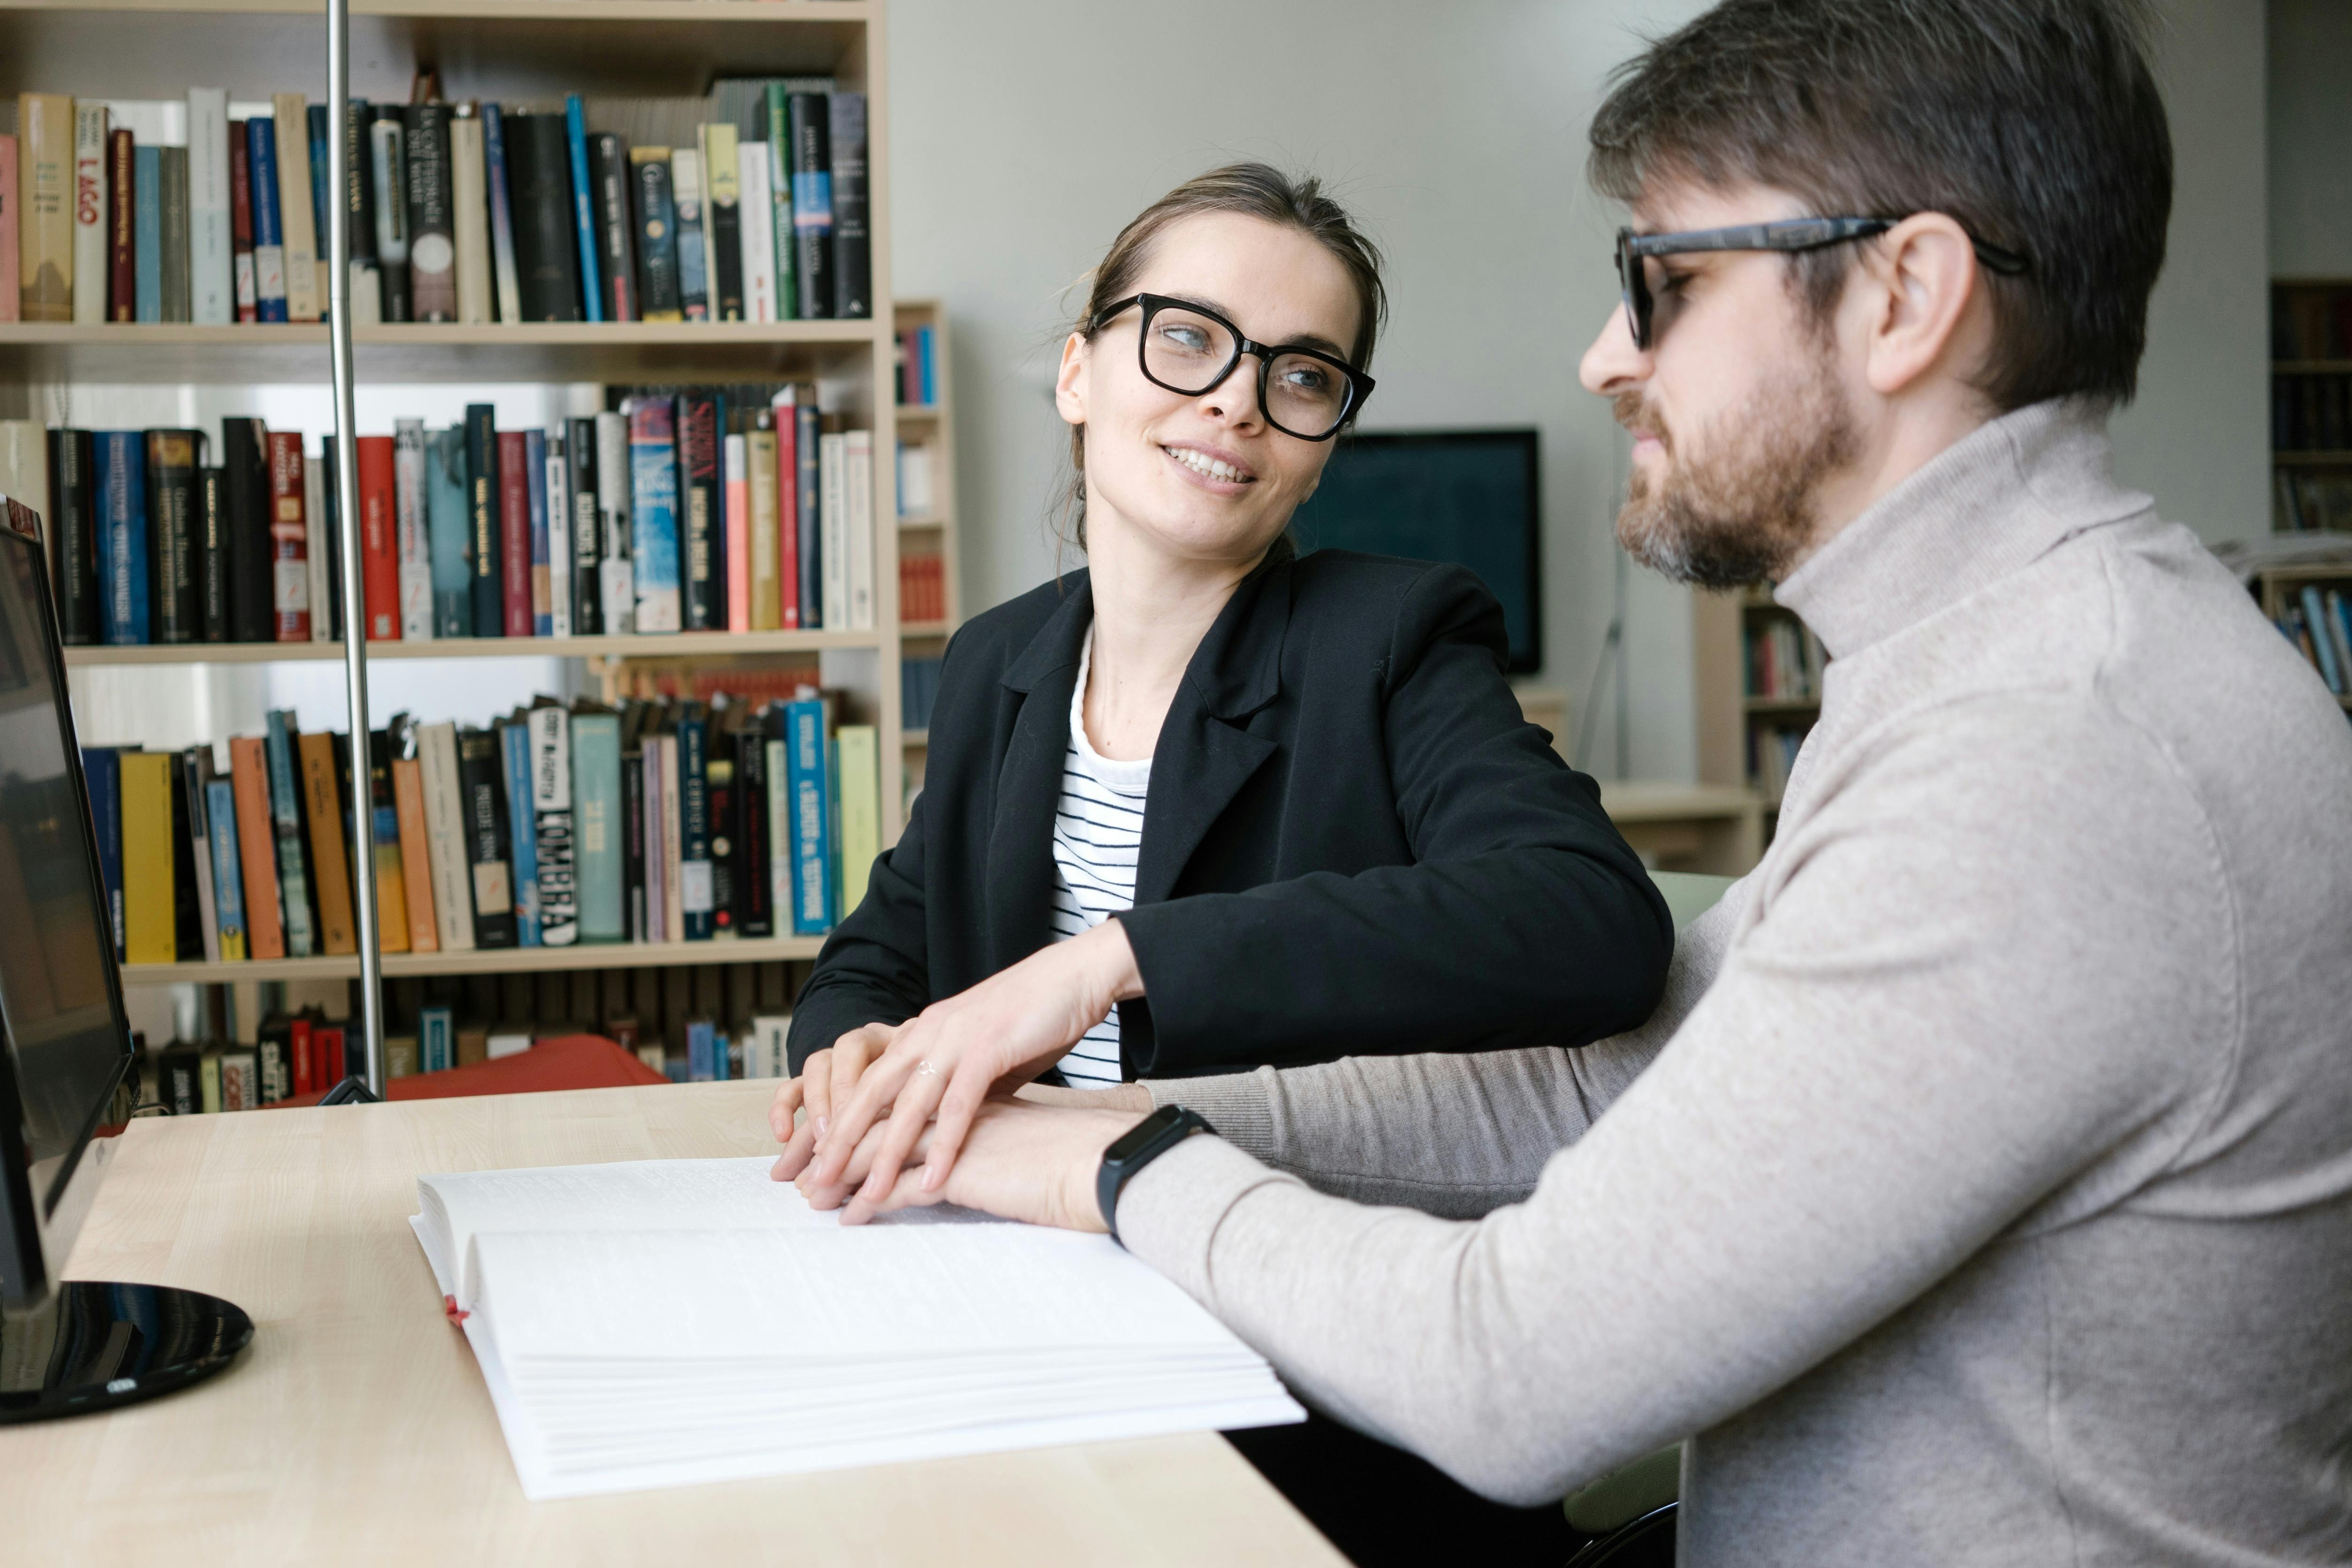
(2033, 123)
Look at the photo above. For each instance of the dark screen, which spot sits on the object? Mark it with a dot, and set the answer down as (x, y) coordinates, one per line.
(69, 1044)
(1468, 496)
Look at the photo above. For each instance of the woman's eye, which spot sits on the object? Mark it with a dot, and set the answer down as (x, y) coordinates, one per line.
(1192, 340)
(1308, 378)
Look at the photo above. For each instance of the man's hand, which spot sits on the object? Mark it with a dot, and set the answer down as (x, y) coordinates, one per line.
(826, 1080)
(946, 1060)
(1026, 1162)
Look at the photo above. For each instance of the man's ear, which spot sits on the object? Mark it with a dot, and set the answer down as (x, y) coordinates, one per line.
(1070, 382)
(1929, 309)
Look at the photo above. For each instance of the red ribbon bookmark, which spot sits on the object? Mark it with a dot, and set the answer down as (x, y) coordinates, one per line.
(450, 1311)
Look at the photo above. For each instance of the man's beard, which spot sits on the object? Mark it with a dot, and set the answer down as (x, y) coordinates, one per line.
(1742, 512)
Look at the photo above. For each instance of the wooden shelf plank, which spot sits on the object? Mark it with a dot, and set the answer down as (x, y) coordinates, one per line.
(926, 520)
(1781, 704)
(2310, 459)
(496, 961)
(915, 740)
(925, 628)
(666, 645)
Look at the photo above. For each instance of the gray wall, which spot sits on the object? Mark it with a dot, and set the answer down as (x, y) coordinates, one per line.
(1025, 132)
(2311, 138)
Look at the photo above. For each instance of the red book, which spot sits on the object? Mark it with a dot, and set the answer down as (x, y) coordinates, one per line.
(379, 545)
(240, 223)
(305, 1081)
(514, 529)
(290, 550)
(121, 202)
(327, 1047)
(788, 520)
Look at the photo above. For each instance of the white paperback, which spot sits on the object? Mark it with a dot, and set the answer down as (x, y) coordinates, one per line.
(858, 464)
(664, 1322)
(411, 531)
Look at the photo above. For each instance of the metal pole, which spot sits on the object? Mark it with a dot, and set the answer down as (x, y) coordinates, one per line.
(352, 586)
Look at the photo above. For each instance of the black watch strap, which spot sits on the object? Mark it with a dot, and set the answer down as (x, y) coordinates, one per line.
(1137, 1147)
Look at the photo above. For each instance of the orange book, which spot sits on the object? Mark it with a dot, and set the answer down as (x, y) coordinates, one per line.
(257, 847)
(329, 860)
(415, 858)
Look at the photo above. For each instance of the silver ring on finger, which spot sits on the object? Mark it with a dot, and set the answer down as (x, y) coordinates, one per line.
(924, 1069)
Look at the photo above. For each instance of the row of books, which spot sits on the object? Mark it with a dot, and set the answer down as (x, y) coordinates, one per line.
(2311, 412)
(1784, 660)
(211, 211)
(656, 823)
(695, 512)
(918, 485)
(2311, 321)
(922, 587)
(918, 377)
(1773, 755)
(2311, 500)
(2319, 624)
(918, 691)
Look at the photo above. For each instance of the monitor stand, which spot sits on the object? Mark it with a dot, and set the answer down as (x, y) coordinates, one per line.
(99, 1346)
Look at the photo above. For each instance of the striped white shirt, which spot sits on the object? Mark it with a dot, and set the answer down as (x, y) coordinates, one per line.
(1098, 823)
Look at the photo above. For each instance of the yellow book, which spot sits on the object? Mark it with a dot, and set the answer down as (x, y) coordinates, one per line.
(208, 1077)
(760, 461)
(149, 925)
(858, 748)
(305, 295)
(45, 206)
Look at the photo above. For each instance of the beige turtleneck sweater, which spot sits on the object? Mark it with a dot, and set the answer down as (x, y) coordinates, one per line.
(1981, 1194)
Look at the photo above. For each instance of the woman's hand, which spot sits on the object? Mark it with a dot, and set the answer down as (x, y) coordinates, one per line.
(827, 1078)
(944, 1061)
(1025, 1162)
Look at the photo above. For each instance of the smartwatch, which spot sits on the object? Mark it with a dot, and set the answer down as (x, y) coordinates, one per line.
(1137, 1147)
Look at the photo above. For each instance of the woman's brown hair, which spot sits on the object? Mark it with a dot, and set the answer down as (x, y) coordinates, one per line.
(1253, 190)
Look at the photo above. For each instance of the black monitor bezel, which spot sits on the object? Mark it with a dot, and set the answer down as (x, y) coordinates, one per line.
(30, 1257)
(1529, 439)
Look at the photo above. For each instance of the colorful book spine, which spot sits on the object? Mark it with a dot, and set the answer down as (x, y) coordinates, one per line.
(257, 847)
(754, 199)
(469, 217)
(653, 506)
(322, 196)
(702, 521)
(810, 119)
(247, 297)
(722, 243)
(147, 232)
(486, 552)
(596, 822)
(437, 1040)
(122, 537)
(738, 533)
(542, 587)
(762, 591)
(365, 282)
(778, 112)
(173, 536)
(331, 863)
(297, 225)
(788, 509)
(432, 232)
(502, 234)
(387, 135)
(268, 243)
(584, 208)
(90, 249)
(74, 531)
(121, 226)
(379, 536)
(12, 295)
(656, 234)
(582, 482)
(858, 464)
(608, 178)
(549, 730)
(412, 532)
(858, 748)
(554, 497)
(172, 202)
(290, 537)
(448, 860)
(616, 567)
(150, 923)
(101, 771)
(808, 511)
(449, 533)
(853, 244)
(522, 835)
(513, 538)
(809, 786)
(488, 835)
(693, 260)
(697, 893)
(212, 284)
(43, 205)
(286, 833)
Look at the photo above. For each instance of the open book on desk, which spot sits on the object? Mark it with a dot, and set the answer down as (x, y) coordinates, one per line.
(661, 1322)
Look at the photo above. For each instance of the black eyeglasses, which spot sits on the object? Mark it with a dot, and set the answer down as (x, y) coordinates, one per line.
(1790, 237)
(1190, 349)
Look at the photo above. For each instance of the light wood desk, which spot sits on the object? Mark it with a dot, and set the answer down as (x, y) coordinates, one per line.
(1710, 828)
(356, 1428)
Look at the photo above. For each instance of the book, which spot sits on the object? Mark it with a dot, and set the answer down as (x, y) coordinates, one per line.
(764, 1056)
(191, 889)
(12, 295)
(297, 221)
(214, 560)
(391, 869)
(697, 893)
(552, 501)
(718, 1253)
(469, 216)
(596, 804)
(446, 827)
(484, 499)
(178, 1080)
(121, 226)
(608, 180)
(722, 798)
(317, 557)
(582, 496)
(252, 571)
(693, 258)
(489, 838)
(171, 532)
(449, 530)
(437, 1040)
(387, 134)
(290, 537)
(808, 512)
(757, 226)
(853, 245)
(809, 118)
(833, 515)
(256, 844)
(323, 201)
(431, 231)
(656, 234)
(859, 749)
(92, 252)
(547, 254)
(505, 271)
(762, 590)
(584, 208)
(270, 302)
(122, 538)
(550, 730)
(286, 832)
(700, 1037)
(172, 202)
(616, 482)
(73, 534)
(232, 1080)
(512, 541)
(147, 232)
(753, 879)
(149, 924)
(245, 297)
(701, 511)
(212, 297)
(857, 488)
(364, 284)
(808, 785)
(722, 244)
(415, 852)
(788, 508)
(522, 837)
(412, 533)
(44, 207)
(330, 856)
(541, 590)
(776, 128)
(653, 511)
(738, 523)
(668, 829)
(101, 769)
(634, 915)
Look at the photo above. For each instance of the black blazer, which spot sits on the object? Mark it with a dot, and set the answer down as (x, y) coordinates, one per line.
(1354, 844)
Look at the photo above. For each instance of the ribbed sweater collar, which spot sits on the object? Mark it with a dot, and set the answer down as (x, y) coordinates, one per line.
(1989, 503)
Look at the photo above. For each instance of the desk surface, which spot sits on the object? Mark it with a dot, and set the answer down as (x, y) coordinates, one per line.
(356, 1429)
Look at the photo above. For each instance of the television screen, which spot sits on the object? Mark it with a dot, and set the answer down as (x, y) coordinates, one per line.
(1464, 496)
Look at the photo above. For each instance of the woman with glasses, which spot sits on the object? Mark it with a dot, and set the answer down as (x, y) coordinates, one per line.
(1206, 804)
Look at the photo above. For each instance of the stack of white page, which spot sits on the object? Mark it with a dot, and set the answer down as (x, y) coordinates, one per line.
(660, 1323)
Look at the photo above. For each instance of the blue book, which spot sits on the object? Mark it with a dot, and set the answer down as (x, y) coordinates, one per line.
(699, 1038)
(269, 235)
(695, 884)
(228, 872)
(2315, 616)
(101, 771)
(286, 827)
(596, 817)
(583, 209)
(931, 392)
(809, 784)
(719, 1067)
(506, 279)
(147, 231)
(534, 445)
(122, 567)
(653, 504)
(321, 188)
(514, 749)
(449, 533)
(437, 1040)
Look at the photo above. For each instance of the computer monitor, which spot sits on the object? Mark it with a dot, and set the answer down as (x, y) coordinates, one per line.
(1463, 496)
(65, 1045)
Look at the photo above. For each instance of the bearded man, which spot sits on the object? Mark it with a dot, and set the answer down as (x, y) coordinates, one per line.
(1982, 1191)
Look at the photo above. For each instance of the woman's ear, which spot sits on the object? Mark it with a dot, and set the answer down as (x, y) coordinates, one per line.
(1070, 383)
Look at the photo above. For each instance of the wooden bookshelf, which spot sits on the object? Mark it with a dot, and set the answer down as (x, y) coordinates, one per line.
(930, 424)
(2311, 386)
(2279, 588)
(1734, 721)
(513, 52)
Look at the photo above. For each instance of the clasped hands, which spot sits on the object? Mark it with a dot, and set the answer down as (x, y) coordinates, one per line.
(923, 1112)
